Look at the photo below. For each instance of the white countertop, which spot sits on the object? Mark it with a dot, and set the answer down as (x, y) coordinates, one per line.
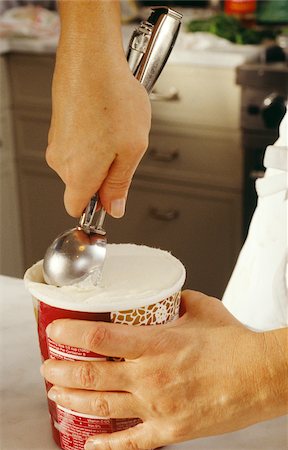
(24, 415)
(190, 49)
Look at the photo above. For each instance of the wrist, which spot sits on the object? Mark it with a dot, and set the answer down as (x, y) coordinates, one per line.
(268, 373)
(275, 371)
(258, 377)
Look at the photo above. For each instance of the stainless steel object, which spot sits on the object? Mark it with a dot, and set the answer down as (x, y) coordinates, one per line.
(151, 45)
(77, 253)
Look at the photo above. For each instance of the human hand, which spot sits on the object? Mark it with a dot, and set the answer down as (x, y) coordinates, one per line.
(198, 376)
(100, 117)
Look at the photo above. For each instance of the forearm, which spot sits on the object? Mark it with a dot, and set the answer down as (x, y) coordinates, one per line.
(91, 33)
(262, 373)
(100, 113)
(91, 24)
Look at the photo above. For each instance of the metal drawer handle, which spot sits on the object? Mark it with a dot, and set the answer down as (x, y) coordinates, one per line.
(255, 174)
(163, 156)
(171, 96)
(165, 216)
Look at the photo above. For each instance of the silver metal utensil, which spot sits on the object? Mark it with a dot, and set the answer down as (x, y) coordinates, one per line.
(151, 44)
(79, 252)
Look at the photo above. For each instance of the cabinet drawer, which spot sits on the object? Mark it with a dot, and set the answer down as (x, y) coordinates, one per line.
(207, 97)
(210, 159)
(31, 79)
(31, 133)
(201, 228)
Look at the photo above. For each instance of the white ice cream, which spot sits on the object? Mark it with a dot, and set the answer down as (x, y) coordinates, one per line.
(133, 276)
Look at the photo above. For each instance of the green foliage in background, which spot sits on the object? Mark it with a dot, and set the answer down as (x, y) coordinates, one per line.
(273, 11)
(232, 29)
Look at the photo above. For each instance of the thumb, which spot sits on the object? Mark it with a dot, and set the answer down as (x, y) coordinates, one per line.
(114, 190)
(205, 311)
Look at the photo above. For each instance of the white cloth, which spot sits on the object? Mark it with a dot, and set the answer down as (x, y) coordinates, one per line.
(257, 291)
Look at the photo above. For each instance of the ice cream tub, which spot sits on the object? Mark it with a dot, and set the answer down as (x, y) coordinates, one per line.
(140, 286)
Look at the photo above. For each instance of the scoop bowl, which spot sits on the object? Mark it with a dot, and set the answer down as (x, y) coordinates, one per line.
(73, 255)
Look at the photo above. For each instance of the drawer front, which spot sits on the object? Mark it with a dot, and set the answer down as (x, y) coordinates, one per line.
(206, 97)
(31, 133)
(210, 159)
(31, 79)
(201, 228)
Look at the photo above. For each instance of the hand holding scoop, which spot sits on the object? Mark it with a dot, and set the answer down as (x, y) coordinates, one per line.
(80, 252)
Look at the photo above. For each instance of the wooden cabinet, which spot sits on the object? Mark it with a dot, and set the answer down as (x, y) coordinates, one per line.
(200, 226)
(207, 97)
(11, 256)
(187, 192)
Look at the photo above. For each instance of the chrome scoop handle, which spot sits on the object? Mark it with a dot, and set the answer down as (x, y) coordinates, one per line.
(151, 45)
(85, 222)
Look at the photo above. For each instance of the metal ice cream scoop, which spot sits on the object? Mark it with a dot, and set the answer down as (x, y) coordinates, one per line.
(77, 253)
(81, 251)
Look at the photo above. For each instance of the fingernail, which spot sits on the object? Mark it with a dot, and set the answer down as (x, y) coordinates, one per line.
(53, 395)
(48, 330)
(90, 445)
(118, 207)
(42, 367)
(42, 370)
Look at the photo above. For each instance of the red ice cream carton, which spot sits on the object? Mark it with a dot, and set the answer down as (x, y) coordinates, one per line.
(140, 286)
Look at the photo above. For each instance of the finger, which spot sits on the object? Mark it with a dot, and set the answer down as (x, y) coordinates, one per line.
(114, 190)
(97, 376)
(107, 339)
(82, 183)
(141, 437)
(109, 404)
(76, 199)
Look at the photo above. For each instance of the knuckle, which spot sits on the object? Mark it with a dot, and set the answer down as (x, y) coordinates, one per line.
(100, 407)
(119, 184)
(158, 377)
(138, 147)
(131, 445)
(72, 178)
(85, 375)
(177, 432)
(67, 400)
(94, 338)
(107, 445)
(50, 156)
(48, 369)
(143, 143)
(76, 175)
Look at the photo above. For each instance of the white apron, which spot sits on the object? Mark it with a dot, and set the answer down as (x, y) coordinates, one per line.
(257, 291)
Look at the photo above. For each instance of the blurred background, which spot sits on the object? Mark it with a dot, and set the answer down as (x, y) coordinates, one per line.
(216, 106)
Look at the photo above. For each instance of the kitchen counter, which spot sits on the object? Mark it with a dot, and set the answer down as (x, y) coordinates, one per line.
(24, 416)
(196, 49)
